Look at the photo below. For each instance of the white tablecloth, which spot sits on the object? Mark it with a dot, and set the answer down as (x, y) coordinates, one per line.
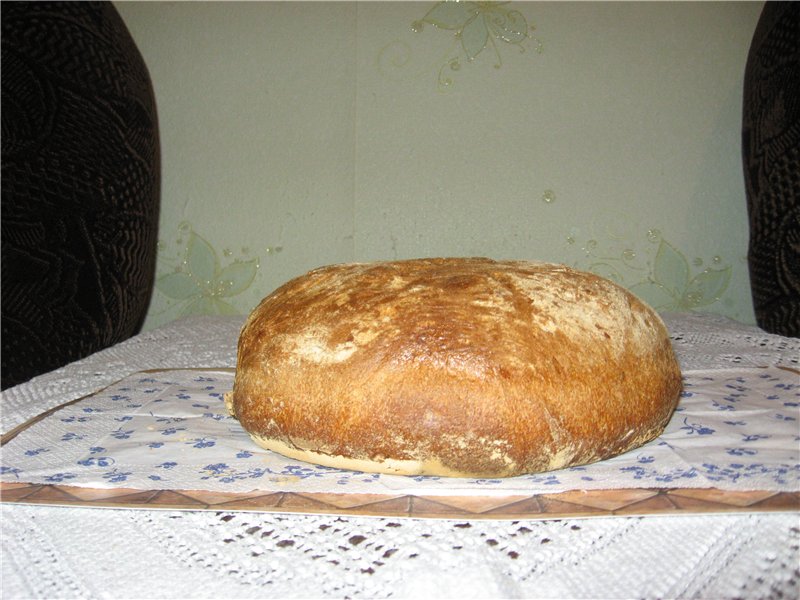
(57, 552)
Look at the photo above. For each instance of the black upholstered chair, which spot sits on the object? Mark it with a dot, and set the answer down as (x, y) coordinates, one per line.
(771, 153)
(80, 184)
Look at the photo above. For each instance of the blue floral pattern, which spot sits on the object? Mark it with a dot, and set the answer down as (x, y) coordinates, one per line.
(734, 429)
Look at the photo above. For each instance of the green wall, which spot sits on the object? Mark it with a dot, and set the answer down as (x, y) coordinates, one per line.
(601, 135)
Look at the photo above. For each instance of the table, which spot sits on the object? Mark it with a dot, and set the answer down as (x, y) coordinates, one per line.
(302, 546)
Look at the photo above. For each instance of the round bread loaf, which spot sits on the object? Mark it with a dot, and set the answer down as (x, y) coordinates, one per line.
(463, 367)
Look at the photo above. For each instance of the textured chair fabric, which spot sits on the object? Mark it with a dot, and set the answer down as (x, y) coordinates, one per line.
(80, 184)
(771, 154)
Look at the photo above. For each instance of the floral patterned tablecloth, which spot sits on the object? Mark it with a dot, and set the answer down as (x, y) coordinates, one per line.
(734, 429)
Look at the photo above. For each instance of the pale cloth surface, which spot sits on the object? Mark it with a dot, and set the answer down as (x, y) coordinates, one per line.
(57, 552)
(734, 429)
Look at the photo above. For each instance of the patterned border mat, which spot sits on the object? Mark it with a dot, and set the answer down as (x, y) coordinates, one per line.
(627, 502)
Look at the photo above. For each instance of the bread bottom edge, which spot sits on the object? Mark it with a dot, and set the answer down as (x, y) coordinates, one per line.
(388, 466)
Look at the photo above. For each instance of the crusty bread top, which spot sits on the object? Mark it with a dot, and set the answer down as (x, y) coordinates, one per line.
(482, 367)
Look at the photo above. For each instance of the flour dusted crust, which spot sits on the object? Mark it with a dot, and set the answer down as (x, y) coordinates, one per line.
(453, 367)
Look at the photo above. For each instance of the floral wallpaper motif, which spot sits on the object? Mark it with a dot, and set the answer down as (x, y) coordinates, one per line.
(476, 26)
(672, 286)
(202, 280)
(659, 273)
(198, 282)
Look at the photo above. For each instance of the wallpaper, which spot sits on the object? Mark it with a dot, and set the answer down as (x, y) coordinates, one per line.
(295, 134)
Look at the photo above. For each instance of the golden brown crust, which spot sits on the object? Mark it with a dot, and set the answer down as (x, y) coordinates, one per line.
(467, 367)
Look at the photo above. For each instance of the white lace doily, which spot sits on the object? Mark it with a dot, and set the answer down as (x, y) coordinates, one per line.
(91, 553)
(56, 552)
